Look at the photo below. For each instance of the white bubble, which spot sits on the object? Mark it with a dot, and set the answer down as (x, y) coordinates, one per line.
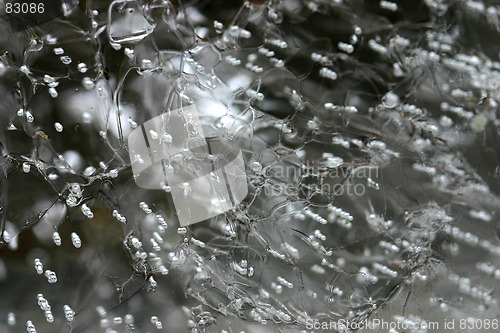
(66, 60)
(256, 167)
(58, 126)
(75, 239)
(88, 83)
(38, 266)
(82, 67)
(53, 92)
(29, 117)
(57, 238)
(26, 167)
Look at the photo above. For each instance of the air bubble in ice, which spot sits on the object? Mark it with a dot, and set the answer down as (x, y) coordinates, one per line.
(29, 117)
(66, 60)
(11, 319)
(53, 92)
(153, 134)
(388, 5)
(75, 239)
(30, 327)
(327, 73)
(132, 123)
(129, 52)
(347, 48)
(88, 83)
(82, 67)
(58, 126)
(38, 266)
(48, 79)
(69, 313)
(56, 238)
(51, 276)
(87, 212)
(256, 166)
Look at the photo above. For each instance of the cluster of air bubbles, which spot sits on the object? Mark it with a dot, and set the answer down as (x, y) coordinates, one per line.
(345, 47)
(316, 217)
(45, 307)
(237, 32)
(319, 58)
(328, 73)
(75, 239)
(251, 65)
(119, 216)
(38, 266)
(11, 319)
(88, 83)
(378, 48)
(56, 238)
(162, 221)
(388, 5)
(145, 208)
(74, 195)
(30, 327)
(51, 276)
(155, 321)
(69, 313)
(341, 108)
(87, 212)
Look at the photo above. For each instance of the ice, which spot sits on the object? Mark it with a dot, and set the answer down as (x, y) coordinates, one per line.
(127, 23)
(368, 130)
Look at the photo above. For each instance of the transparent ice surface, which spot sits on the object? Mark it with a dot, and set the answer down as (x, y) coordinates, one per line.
(370, 136)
